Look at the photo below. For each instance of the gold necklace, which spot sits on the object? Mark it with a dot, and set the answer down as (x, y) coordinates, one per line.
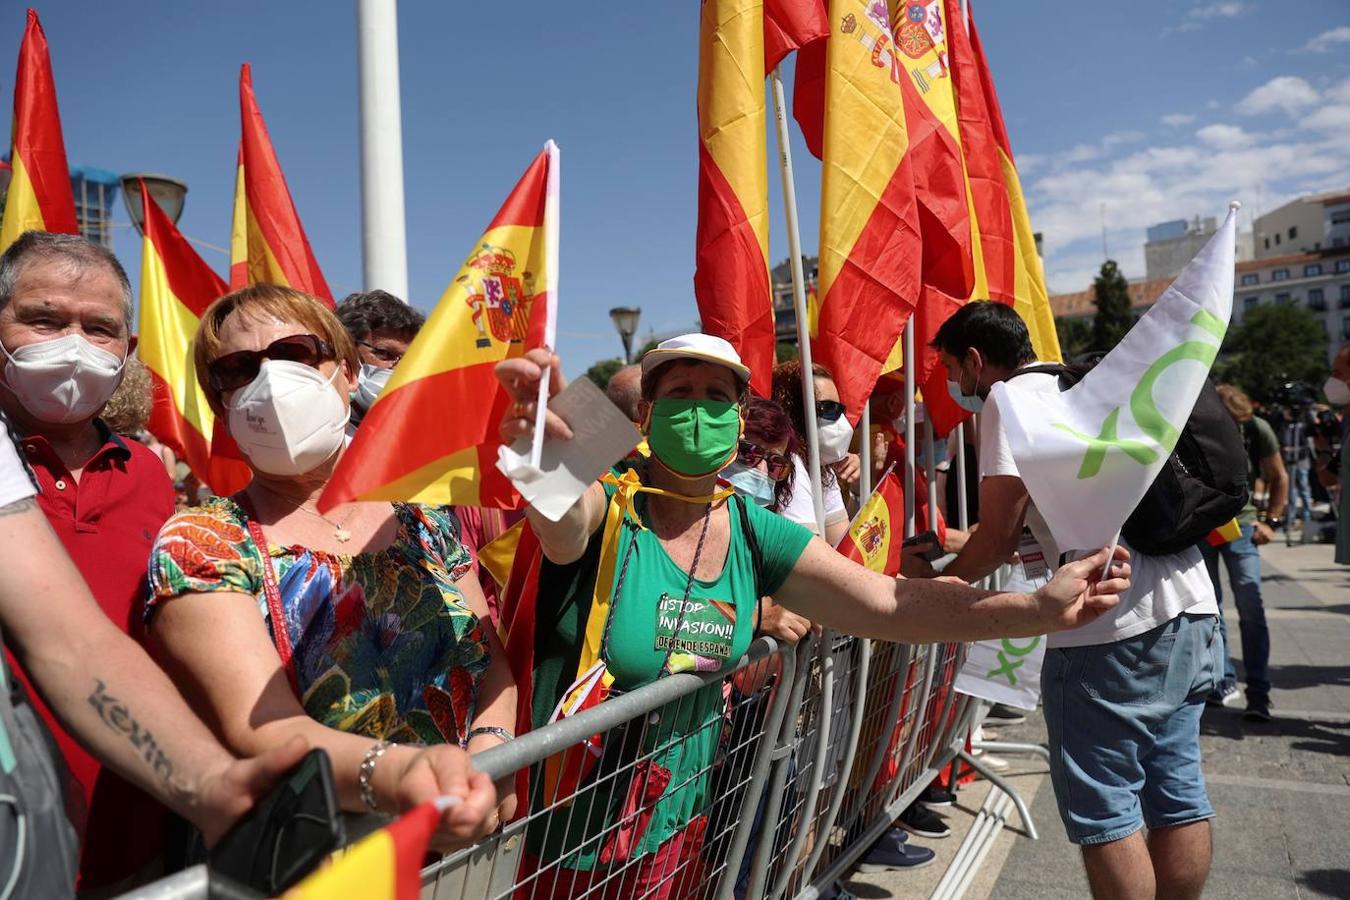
(339, 532)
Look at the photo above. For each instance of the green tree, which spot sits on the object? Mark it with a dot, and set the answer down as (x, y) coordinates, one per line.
(785, 351)
(1111, 293)
(1075, 337)
(603, 371)
(1274, 344)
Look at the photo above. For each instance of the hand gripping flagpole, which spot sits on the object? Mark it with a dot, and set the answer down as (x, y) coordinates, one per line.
(551, 213)
(799, 300)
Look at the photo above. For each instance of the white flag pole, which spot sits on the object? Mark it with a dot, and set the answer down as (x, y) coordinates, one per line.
(962, 507)
(551, 234)
(865, 453)
(930, 470)
(799, 300)
(909, 427)
(384, 254)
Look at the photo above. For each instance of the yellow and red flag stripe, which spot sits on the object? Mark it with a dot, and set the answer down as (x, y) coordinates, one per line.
(873, 539)
(176, 287)
(384, 865)
(40, 198)
(430, 437)
(266, 235)
(731, 272)
(870, 238)
(1030, 298)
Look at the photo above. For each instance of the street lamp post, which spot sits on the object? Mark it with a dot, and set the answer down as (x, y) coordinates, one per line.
(169, 193)
(626, 321)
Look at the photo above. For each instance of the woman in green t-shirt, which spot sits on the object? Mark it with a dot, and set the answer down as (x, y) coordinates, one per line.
(682, 576)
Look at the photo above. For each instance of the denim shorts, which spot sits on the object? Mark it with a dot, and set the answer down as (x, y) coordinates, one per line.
(1124, 725)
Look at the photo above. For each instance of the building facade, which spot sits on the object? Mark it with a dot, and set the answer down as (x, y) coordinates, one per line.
(1319, 282)
(1306, 225)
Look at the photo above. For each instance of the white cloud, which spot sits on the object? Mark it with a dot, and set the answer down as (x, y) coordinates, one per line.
(1328, 40)
(1287, 92)
(1179, 178)
(1224, 9)
(1224, 136)
(1176, 120)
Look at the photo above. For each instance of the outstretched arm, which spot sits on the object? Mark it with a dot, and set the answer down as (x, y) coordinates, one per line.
(106, 690)
(836, 592)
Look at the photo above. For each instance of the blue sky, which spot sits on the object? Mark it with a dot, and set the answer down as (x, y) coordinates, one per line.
(1157, 109)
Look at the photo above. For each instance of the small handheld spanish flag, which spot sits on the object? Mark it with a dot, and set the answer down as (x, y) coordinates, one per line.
(1225, 534)
(385, 865)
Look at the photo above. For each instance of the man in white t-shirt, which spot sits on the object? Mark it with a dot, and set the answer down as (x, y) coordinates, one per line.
(1122, 695)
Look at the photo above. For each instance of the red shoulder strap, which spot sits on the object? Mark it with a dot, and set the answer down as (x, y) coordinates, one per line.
(276, 612)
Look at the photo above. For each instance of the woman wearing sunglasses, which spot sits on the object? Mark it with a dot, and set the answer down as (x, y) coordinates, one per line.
(685, 564)
(834, 433)
(354, 627)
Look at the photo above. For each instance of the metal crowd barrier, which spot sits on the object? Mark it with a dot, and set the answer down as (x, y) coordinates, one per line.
(819, 748)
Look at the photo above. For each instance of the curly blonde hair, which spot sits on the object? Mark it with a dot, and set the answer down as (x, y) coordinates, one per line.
(128, 409)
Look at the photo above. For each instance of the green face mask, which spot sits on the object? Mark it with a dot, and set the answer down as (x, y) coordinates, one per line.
(694, 437)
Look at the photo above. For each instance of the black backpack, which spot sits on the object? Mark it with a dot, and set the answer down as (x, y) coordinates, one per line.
(1203, 485)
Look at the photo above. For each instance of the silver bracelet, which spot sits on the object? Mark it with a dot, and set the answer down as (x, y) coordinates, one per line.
(367, 773)
(500, 733)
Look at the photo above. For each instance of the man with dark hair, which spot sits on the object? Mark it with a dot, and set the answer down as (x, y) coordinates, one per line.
(1122, 695)
(381, 324)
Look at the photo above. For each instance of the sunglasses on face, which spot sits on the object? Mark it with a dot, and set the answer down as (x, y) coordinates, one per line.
(750, 455)
(234, 370)
(391, 357)
(829, 410)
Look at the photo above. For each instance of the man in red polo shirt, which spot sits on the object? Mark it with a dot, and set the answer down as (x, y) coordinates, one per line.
(65, 332)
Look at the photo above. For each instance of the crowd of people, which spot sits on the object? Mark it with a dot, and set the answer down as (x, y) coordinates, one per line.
(241, 630)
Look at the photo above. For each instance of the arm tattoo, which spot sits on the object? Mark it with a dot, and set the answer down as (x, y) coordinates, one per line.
(18, 506)
(115, 714)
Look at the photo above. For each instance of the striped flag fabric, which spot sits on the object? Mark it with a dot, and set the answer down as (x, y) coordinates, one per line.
(870, 237)
(731, 273)
(40, 197)
(176, 287)
(267, 241)
(1030, 298)
(873, 539)
(384, 865)
(431, 435)
(790, 25)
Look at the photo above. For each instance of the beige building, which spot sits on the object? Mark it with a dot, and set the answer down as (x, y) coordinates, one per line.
(1305, 225)
(1319, 282)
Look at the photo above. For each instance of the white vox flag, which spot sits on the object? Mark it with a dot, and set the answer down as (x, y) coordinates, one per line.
(1088, 454)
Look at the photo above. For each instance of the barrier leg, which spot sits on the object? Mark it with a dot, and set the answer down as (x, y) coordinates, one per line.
(999, 782)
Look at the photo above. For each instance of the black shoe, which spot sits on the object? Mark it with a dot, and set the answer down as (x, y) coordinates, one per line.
(999, 714)
(920, 821)
(933, 795)
(1258, 709)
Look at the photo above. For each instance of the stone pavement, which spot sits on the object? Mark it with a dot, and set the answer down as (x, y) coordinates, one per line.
(1282, 790)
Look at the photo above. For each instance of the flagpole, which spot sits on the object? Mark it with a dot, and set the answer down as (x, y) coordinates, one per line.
(909, 427)
(384, 253)
(962, 513)
(799, 300)
(865, 453)
(930, 469)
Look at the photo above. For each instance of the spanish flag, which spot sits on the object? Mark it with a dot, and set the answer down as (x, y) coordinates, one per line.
(431, 437)
(384, 865)
(40, 197)
(870, 235)
(731, 272)
(873, 540)
(1028, 292)
(176, 287)
(267, 241)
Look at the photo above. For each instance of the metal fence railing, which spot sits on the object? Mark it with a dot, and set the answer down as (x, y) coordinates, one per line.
(806, 755)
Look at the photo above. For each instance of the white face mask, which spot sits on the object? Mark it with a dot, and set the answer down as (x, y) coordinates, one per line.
(369, 384)
(835, 438)
(1337, 391)
(64, 380)
(288, 420)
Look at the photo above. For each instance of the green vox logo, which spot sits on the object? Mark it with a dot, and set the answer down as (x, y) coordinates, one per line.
(1009, 660)
(1143, 408)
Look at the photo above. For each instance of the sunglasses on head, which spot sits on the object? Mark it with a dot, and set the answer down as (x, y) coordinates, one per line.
(234, 370)
(829, 410)
(750, 454)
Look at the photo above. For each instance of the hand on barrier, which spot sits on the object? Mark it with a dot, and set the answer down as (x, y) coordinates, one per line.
(439, 771)
(520, 377)
(1078, 593)
(779, 622)
(227, 793)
